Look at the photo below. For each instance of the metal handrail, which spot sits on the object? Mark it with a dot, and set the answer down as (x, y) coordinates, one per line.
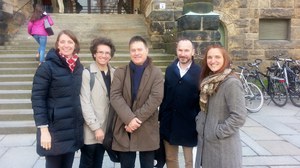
(22, 7)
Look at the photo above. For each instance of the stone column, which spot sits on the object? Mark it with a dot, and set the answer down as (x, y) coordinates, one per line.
(199, 24)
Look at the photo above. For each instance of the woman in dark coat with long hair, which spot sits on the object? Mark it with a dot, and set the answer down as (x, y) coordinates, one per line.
(56, 103)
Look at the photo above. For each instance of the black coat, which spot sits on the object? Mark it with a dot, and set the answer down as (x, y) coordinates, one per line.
(180, 106)
(56, 103)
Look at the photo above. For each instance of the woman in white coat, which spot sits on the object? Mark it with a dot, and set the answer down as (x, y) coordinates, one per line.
(95, 102)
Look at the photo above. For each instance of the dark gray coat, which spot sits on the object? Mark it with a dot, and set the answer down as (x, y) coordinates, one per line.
(219, 143)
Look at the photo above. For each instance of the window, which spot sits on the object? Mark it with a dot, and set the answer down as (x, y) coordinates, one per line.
(274, 29)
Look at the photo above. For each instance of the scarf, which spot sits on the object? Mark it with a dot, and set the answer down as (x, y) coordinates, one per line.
(137, 73)
(71, 61)
(209, 86)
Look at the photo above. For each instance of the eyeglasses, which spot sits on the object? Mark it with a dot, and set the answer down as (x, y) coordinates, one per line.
(103, 53)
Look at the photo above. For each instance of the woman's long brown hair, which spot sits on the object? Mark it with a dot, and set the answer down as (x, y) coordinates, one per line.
(37, 13)
(205, 69)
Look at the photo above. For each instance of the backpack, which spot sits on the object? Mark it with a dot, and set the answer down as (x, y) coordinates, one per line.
(92, 78)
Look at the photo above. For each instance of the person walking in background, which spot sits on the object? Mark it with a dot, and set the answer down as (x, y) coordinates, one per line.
(61, 6)
(95, 102)
(223, 112)
(47, 6)
(136, 93)
(180, 105)
(37, 30)
(56, 103)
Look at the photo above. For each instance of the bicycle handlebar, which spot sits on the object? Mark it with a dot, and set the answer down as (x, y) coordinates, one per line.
(255, 63)
(258, 61)
(283, 59)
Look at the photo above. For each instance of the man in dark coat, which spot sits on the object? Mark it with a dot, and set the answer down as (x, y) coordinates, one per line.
(180, 105)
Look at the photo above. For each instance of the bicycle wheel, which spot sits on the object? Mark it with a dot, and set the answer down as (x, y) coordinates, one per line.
(294, 92)
(251, 79)
(278, 92)
(254, 98)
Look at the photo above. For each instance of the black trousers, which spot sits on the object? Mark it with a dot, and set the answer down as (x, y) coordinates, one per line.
(91, 156)
(60, 161)
(127, 159)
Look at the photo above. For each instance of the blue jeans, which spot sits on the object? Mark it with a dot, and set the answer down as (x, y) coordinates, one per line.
(91, 156)
(127, 159)
(42, 41)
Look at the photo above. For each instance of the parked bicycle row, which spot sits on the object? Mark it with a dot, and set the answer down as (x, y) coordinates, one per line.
(279, 82)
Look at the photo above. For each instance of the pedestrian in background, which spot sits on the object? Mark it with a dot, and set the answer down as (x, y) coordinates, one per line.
(180, 105)
(56, 103)
(223, 112)
(47, 6)
(95, 92)
(136, 93)
(37, 30)
(61, 6)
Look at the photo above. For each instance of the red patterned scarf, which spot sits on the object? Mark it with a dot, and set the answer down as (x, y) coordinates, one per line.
(71, 61)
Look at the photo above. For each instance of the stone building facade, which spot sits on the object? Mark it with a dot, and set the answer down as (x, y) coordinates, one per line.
(243, 24)
(244, 20)
(249, 29)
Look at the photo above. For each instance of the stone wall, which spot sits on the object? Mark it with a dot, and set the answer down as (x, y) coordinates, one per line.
(241, 21)
(161, 17)
(13, 14)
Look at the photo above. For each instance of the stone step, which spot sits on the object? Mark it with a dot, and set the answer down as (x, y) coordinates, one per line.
(29, 51)
(15, 94)
(33, 50)
(24, 85)
(28, 71)
(16, 77)
(17, 127)
(19, 59)
(115, 36)
(16, 114)
(15, 104)
(115, 62)
(32, 46)
(92, 18)
(4, 71)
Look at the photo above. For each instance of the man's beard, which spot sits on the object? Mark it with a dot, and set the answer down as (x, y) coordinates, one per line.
(184, 60)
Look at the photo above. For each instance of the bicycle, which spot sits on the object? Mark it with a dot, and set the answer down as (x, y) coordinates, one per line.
(275, 89)
(291, 76)
(253, 96)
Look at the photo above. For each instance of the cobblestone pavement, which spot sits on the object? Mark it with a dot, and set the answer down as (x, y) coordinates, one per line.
(271, 139)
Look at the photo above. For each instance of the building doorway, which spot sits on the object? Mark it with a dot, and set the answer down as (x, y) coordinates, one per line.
(106, 6)
(89, 6)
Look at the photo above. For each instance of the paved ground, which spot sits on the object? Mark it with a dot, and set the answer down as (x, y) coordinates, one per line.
(271, 139)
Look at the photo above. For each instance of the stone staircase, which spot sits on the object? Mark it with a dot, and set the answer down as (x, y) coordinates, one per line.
(18, 65)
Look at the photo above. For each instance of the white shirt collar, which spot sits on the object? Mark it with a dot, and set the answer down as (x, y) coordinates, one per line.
(183, 71)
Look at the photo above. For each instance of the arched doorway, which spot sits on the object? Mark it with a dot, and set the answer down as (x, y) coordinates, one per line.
(223, 32)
